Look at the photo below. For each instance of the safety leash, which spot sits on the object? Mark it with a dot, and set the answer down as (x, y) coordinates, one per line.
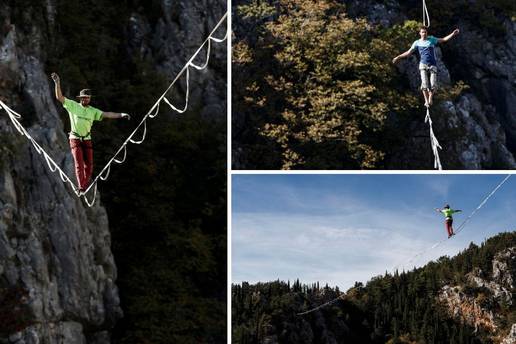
(433, 141)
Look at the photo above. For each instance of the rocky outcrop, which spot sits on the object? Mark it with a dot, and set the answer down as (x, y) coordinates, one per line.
(167, 45)
(466, 309)
(504, 268)
(492, 66)
(478, 130)
(478, 303)
(511, 337)
(500, 294)
(54, 250)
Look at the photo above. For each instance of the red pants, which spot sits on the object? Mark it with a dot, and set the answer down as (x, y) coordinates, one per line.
(82, 151)
(449, 226)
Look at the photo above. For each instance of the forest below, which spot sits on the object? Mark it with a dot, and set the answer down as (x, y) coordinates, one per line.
(398, 307)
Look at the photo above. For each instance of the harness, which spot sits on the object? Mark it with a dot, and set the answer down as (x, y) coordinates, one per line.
(80, 137)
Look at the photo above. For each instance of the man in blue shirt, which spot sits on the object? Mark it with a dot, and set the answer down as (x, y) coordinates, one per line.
(428, 63)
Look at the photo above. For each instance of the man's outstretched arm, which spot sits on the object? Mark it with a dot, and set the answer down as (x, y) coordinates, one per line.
(405, 54)
(115, 115)
(57, 82)
(450, 36)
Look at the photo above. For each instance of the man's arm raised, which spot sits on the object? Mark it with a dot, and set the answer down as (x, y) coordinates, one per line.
(450, 36)
(57, 82)
(405, 54)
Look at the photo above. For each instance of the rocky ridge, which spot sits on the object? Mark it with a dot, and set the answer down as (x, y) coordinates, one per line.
(478, 130)
(479, 303)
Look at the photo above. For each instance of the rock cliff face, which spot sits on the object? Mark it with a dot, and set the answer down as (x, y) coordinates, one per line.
(478, 130)
(511, 337)
(53, 250)
(479, 304)
(57, 272)
(168, 46)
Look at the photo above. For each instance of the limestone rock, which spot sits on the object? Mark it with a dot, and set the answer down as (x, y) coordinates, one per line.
(52, 246)
(504, 268)
(480, 308)
(511, 337)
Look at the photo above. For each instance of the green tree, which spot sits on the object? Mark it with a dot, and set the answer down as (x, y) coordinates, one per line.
(323, 85)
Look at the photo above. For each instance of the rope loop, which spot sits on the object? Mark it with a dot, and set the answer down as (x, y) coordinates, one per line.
(106, 174)
(433, 141)
(207, 58)
(186, 96)
(84, 195)
(155, 112)
(119, 161)
(426, 16)
(137, 142)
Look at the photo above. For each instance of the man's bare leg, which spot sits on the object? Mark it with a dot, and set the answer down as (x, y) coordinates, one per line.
(430, 95)
(425, 94)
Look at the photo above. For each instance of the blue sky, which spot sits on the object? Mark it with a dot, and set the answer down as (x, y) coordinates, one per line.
(338, 229)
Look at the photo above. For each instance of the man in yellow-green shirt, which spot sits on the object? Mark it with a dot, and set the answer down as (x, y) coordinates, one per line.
(82, 115)
(448, 212)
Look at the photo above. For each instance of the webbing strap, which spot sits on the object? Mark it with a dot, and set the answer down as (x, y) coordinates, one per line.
(433, 141)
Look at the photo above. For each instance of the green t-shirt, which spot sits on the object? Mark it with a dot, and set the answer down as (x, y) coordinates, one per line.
(81, 118)
(448, 212)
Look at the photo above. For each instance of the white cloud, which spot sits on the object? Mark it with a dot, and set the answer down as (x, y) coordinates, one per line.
(321, 248)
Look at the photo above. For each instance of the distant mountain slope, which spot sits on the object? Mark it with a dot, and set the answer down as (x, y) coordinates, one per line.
(465, 299)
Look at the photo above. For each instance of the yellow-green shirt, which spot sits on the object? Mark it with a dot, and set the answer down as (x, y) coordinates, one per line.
(448, 212)
(81, 118)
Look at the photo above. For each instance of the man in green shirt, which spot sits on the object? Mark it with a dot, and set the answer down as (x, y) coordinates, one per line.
(82, 116)
(448, 212)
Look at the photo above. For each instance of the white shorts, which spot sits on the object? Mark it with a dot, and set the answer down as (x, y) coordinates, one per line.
(425, 70)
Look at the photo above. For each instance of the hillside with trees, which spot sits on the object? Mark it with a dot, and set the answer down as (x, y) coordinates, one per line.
(468, 298)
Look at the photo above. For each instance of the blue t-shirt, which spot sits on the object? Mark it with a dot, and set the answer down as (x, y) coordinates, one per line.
(426, 50)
